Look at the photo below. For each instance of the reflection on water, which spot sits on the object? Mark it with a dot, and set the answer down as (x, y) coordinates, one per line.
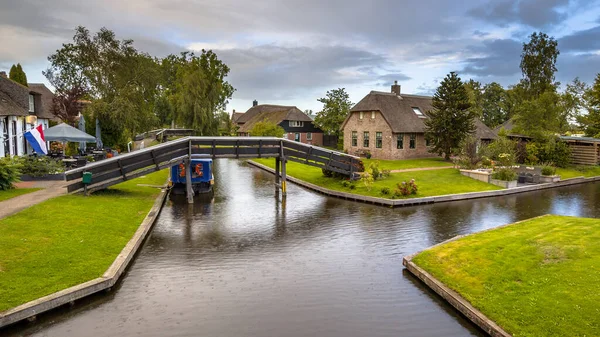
(243, 263)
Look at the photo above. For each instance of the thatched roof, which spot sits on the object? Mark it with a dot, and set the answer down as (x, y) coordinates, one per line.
(14, 98)
(272, 113)
(235, 116)
(399, 112)
(45, 111)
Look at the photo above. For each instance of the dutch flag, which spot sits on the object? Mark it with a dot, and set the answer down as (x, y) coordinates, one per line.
(35, 137)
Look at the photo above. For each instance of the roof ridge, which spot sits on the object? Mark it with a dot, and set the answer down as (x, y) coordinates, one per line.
(413, 95)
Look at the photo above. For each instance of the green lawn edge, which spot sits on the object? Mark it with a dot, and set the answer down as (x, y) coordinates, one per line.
(15, 192)
(538, 277)
(70, 239)
(430, 183)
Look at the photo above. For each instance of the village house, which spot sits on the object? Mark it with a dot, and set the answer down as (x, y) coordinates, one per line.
(21, 108)
(391, 126)
(297, 125)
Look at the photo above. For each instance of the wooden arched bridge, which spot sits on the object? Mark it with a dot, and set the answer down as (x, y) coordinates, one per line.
(131, 165)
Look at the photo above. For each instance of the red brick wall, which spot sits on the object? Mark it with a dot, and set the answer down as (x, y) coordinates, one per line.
(317, 138)
(388, 149)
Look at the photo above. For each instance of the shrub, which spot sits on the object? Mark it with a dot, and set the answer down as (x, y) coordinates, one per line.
(469, 157)
(533, 152)
(40, 166)
(556, 151)
(367, 180)
(497, 147)
(368, 154)
(548, 170)
(374, 170)
(486, 162)
(406, 189)
(9, 173)
(385, 174)
(386, 191)
(327, 173)
(505, 174)
(345, 183)
(352, 186)
(506, 159)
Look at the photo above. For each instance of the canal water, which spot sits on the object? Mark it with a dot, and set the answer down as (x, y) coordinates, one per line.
(247, 264)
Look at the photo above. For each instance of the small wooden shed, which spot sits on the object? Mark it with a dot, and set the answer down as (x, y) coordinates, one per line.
(584, 150)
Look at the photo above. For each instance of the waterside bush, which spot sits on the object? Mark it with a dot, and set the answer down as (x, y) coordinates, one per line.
(9, 173)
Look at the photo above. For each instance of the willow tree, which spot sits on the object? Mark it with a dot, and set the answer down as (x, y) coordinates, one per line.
(199, 90)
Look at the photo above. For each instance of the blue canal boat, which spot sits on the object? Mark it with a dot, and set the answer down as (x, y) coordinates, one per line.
(202, 176)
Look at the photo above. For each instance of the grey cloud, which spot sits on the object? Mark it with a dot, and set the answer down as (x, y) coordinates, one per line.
(584, 66)
(272, 72)
(585, 40)
(534, 13)
(499, 58)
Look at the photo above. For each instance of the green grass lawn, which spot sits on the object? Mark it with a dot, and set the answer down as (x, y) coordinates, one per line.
(430, 183)
(15, 192)
(540, 277)
(408, 163)
(578, 171)
(70, 239)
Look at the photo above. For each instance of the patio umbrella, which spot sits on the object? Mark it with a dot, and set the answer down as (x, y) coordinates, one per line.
(82, 128)
(99, 144)
(66, 133)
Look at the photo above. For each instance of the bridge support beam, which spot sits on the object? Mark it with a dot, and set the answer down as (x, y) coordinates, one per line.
(277, 168)
(188, 180)
(283, 177)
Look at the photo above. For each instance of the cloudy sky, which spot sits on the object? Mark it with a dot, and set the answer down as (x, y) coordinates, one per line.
(293, 51)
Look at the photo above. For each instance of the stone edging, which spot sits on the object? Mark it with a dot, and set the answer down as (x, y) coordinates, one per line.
(433, 199)
(104, 282)
(452, 297)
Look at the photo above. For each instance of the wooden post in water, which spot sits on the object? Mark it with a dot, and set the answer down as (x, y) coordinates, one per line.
(277, 165)
(188, 175)
(283, 173)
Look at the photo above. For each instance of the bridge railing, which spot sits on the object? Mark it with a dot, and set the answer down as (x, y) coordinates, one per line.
(123, 167)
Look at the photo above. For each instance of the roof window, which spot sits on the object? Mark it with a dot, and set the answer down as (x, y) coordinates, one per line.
(418, 112)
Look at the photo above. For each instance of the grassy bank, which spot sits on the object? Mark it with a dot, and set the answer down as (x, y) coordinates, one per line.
(15, 192)
(430, 183)
(535, 278)
(578, 171)
(70, 239)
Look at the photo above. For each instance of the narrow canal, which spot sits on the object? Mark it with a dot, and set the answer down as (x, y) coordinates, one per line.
(245, 264)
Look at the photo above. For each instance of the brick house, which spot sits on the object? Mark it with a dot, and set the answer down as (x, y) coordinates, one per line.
(21, 108)
(390, 126)
(297, 125)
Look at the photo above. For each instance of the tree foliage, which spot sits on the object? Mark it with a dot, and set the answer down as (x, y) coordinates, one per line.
(336, 106)
(538, 64)
(451, 120)
(538, 117)
(591, 121)
(266, 129)
(475, 94)
(17, 74)
(67, 105)
(493, 105)
(199, 90)
(132, 92)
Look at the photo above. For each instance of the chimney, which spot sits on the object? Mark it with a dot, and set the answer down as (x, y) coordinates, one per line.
(3, 74)
(255, 103)
(233, 110)
(396, 88)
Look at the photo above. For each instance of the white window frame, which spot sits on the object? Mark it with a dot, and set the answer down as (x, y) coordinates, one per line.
(418, 112)
(296, 124)
(309, 136)
(361, 115)
(372, 114)
(31, 103)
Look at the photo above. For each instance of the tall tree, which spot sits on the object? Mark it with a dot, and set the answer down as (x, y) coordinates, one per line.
(17, 74)
(200, 91)
(539, 117)
(451, 121)
(121, 81)
(572, 103)
(475, 94)
(538, 64)
(591, 121)
(493, 105)
(336, 106)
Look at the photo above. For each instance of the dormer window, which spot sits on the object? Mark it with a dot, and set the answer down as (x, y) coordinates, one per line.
(296, 124)
(372, 114)
(31, 104)
(418, 112)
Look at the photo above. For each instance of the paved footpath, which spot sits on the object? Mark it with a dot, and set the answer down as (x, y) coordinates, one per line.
(49, 189)
(422, 169)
